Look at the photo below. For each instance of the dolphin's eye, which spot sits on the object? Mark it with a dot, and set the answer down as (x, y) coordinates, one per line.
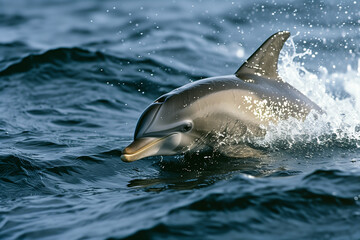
(186, 127)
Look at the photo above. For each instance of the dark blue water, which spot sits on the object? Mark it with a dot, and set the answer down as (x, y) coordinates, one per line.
(76, 75)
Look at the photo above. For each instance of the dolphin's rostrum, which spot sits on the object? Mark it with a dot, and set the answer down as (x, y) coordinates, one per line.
(195, 116)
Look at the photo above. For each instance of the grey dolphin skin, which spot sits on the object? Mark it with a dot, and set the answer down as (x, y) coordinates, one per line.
(201, 115)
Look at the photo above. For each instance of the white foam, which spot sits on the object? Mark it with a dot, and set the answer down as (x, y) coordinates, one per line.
(342, 119)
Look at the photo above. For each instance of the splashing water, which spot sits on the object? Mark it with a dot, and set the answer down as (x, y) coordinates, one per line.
(341, 122)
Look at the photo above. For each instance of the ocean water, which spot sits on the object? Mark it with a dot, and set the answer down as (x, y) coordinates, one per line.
(76, 75)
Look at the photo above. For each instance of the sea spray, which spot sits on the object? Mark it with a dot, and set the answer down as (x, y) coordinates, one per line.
(340, 124)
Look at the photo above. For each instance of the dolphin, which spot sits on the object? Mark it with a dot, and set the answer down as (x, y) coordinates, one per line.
(221, 113)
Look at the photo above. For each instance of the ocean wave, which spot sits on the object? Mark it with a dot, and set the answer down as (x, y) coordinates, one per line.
(54, 57)
(256, 203)
(12, 20)
(14, 167)
(20, 176)
(130, 73)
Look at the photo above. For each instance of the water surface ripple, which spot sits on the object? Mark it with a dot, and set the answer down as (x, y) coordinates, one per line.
(75, 76)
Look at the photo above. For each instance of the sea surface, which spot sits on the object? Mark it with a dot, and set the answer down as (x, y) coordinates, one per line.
(76, 75)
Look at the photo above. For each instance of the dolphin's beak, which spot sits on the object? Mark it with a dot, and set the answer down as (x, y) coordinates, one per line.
(142, 147)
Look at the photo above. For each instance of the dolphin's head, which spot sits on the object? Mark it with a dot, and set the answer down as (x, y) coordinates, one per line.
(164, 128)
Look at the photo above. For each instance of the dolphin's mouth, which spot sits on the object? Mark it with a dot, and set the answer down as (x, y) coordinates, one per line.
(142, 147)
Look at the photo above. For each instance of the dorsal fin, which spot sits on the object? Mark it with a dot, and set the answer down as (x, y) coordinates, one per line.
(264, 60)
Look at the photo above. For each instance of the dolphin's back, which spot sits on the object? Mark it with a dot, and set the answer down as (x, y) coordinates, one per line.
(275, 92)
